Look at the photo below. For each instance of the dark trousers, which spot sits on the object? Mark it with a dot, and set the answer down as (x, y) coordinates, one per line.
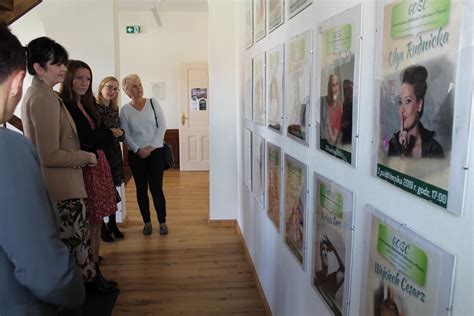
(149, 172)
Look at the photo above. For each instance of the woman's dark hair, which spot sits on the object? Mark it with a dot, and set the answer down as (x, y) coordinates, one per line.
(12, 54)
(67, 93)
(42, 50)
(416, 76)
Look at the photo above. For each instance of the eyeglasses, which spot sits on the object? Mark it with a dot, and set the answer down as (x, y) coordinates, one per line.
(112, 88)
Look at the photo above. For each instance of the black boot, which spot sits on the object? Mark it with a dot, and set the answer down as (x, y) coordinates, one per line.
(98, 285)
(99, 275)
(105, 234)
(113, 228)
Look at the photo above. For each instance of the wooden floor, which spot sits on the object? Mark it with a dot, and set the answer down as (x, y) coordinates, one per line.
(198, 269)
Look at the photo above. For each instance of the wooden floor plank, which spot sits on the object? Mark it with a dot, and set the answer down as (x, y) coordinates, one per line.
(198, 269)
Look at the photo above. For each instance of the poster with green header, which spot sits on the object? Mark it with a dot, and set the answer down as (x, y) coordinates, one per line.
(295, 187)
(259, 89)
(405, 273)
(332, 243)
(339, 39)
(274, 184)
(423, 100)
(296, 6)
(275, 70)
(298, 84)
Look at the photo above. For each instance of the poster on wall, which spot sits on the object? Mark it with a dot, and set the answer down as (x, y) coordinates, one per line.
(298, 84)
(276, 14)
(258, 169)
(295, 207)
(259, 17)
(274, 183)
(423, 103)
(339, 39)
(332, 243)
(248, 74)
(259, 89)
(296, 6)
(248, 158)
(275, 70)
(199, 99)
(248, 23)
(405, 274)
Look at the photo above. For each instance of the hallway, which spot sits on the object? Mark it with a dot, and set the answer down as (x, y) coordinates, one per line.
(198, 269)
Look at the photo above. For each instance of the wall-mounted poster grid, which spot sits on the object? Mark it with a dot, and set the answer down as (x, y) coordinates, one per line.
(424, 99)
(259, 89)
(248, 23)
(274, 184)
(248, 158)
(339, 40)
(405, 274)
(295, 204)
(248, 86)
(259, 19)
(275, 70)
(258, 169)
(296, 6)
(332, 243)
(298, 85)
(276, 14)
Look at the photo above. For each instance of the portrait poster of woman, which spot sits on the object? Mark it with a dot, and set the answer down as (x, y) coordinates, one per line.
(259, 89)
(295, 207)
(248, 23)
(258, 169)
(404, 273)
(248, 158)
(420, 150)
(332, 243)
(248, 73)
(339, 64)
(275, 70)
(274, 183)
(296, 6)
(276, 14)
(259, 19)
(298, 84)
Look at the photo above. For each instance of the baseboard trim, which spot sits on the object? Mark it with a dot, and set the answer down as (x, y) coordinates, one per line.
(268, 311)
(223, 223)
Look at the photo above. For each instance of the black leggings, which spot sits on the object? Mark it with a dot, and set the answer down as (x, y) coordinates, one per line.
(149, 171)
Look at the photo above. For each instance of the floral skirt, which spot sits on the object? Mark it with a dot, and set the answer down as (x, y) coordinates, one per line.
(74, 232)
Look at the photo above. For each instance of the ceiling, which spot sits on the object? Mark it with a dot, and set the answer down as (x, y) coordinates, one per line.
(163, 5)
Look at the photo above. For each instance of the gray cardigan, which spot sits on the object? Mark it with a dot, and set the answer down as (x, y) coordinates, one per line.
(37, 274)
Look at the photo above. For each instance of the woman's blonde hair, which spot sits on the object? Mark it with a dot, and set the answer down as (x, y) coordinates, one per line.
(128, 80)
(100, 97)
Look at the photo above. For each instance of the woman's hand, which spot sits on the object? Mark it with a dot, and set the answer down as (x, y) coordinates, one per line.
(402, 137)
(117, 132)
(143, 153)
(93, 160)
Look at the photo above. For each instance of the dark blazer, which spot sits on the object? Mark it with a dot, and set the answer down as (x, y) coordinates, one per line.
(90, 138)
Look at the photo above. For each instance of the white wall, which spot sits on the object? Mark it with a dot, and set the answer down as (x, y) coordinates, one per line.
(223, 100)
(157, 52)
(287, 287)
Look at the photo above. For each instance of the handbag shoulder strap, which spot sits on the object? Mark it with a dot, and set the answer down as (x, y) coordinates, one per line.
(154, 113)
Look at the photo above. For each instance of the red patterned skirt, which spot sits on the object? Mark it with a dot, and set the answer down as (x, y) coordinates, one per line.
(100, 190)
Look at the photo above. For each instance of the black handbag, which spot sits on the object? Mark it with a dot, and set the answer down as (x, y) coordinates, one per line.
(168, 152)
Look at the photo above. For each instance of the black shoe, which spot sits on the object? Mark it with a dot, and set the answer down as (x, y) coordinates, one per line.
(163, 229)
(113, 229)
(105, 234)
(101, 278)
(96, 286)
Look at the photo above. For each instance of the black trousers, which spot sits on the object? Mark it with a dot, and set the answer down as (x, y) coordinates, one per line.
(149, 172)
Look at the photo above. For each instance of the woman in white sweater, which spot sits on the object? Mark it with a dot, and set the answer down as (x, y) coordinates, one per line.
(144, 125)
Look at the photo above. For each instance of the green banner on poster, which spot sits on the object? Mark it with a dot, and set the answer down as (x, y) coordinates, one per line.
(338, 39)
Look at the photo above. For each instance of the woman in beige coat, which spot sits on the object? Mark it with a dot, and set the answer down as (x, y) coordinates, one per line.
(50, 127)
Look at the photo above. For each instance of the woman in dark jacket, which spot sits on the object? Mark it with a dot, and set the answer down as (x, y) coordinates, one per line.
(107, 107)
(76, 93)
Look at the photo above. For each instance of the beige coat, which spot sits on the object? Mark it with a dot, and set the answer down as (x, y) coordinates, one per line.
(50, 127)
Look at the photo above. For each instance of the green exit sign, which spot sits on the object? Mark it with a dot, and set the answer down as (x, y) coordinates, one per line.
(133, 29)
